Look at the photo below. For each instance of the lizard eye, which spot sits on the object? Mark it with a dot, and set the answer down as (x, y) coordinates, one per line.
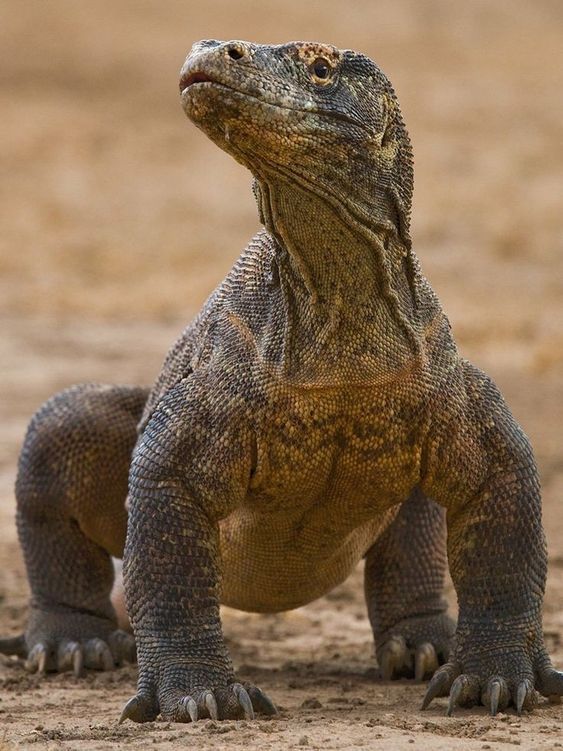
(320, 70)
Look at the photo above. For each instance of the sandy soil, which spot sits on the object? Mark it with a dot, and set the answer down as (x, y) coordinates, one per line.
(117, 220)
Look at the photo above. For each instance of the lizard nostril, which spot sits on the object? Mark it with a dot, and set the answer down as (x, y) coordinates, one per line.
(235, 52)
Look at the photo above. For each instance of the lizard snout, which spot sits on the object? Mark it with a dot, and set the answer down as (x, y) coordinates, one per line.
(210, 54)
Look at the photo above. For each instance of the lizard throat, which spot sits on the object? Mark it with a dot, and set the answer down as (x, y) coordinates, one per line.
(343, 281)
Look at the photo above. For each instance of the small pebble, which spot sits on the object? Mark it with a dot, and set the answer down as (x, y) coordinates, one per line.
(224, 728)
(311, 703)
(303, 741)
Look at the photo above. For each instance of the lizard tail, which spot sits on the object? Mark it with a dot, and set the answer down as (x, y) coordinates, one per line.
(13, 645)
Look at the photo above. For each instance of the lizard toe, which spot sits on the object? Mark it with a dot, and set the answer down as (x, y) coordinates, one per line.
(39, 659)
(525, 697)
(122, 646)
(550, 682)
(425, 661)
(393, 657)
(97, 655)
(211, 705)
(464, 692)
(441, 683)
(139, 708)
(70, 656)
(496, 695)
(186, 710)
(260, 701)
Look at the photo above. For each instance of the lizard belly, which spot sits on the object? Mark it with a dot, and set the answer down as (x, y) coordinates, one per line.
(269, 565)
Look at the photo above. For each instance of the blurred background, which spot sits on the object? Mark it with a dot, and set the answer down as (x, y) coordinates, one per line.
(118, 217)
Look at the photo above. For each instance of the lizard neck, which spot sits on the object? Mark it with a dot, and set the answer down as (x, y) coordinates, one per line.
(349, 286)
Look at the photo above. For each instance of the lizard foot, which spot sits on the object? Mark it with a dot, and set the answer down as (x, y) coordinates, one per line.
(496, 680)
(235, 701)
(70, 641)
(415, 647)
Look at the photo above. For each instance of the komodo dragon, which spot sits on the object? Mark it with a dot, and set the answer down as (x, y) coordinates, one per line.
(315, 412)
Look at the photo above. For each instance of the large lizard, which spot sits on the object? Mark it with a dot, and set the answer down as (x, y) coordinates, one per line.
(315, 412)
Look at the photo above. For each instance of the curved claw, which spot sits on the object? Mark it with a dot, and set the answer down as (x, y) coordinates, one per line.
(520, 698)
(211, 704)
(70, 657)
(37, 659)
(425, 661)
(494, 698)
(78, 663)
(392, 657)
(244, 701)
(440, 683)
(526, 696)
(130, 711)
(187, 704)
(261, 701)
(551, 682)
(138, 709)
(496, 695)
(455, 694)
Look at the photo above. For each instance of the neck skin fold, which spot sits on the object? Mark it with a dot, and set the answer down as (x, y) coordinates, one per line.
(347, 283)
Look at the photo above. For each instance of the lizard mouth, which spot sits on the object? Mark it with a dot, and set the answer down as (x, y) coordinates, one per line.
(189, 79)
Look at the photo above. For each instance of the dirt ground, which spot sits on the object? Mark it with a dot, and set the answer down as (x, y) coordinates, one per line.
(118, 218)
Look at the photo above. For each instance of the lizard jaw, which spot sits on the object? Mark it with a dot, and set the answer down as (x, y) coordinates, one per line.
(194, 77)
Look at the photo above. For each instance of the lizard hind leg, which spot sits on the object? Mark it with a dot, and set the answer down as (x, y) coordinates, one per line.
(71, 518)
(404, 579)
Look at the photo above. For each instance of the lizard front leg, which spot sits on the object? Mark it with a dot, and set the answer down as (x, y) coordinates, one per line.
(480, 466)
(191, 469)
(404, 581)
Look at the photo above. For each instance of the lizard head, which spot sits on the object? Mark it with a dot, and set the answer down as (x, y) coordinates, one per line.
(304, 113)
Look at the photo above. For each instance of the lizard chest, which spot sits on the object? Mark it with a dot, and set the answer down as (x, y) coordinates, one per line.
(355, 451)
(328, 472)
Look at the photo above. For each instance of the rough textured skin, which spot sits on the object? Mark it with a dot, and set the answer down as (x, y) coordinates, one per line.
(317, 391)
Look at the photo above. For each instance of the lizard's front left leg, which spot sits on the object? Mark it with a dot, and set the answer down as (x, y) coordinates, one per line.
(404, 580)
(191, 469)
(480, 466)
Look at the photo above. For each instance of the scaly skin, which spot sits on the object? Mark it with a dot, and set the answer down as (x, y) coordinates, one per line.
(317, 391)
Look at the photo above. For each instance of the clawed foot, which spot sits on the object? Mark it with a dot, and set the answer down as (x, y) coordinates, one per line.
(415, 648)
(70, 641)
(69, 655)
(234, 702)
(515, 686)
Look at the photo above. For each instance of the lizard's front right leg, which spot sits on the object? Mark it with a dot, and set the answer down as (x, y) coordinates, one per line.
(191, 469)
